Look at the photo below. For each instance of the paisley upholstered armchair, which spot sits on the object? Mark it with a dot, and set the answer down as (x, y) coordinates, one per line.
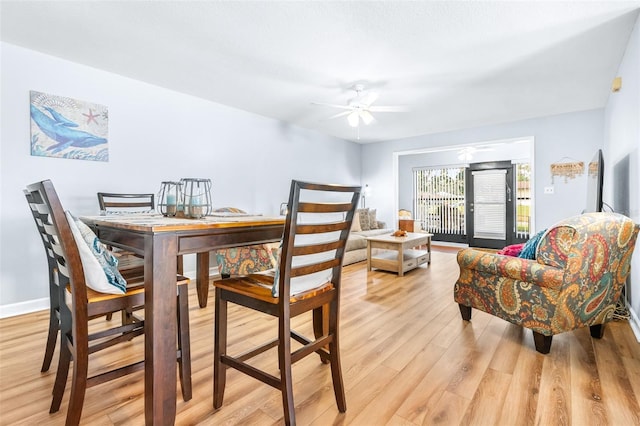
(581, 266)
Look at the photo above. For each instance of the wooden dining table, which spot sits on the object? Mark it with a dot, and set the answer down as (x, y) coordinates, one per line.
(160, 240)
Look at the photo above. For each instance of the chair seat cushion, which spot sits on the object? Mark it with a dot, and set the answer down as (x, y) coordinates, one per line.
(259, 286)
(495, 267)
(246, 260)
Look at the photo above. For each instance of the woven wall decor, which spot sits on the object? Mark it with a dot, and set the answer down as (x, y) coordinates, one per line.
(568, 169)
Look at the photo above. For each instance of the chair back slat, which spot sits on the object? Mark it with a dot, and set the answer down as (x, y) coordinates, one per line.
(323, 207)
(125, 204)
(57, 252)
(111, 202)
(42, 209)
(316, 229)
(314, 267)
(63, 270)
(317, 248)
(319, 228)
(40, 225)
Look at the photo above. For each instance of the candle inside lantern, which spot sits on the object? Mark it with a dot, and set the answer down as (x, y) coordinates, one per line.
(171, 205)
(169, 197)
(197, 197)
(195, 209)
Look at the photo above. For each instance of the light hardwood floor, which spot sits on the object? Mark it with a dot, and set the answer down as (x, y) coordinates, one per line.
(407, 356)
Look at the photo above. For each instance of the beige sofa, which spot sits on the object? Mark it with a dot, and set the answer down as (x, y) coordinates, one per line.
(357, 243)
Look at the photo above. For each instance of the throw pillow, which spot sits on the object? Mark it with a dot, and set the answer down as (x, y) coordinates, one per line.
(529, 249)
(363, 217)
(355, 225)
(373, 221)
(99, 264)
(512, 250)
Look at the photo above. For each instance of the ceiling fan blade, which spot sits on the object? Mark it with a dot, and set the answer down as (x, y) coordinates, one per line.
(340, 114)
(333, 105)
(368, 98)
(388, 108)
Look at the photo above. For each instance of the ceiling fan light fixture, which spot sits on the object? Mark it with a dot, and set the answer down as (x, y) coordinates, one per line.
(466, 154)
(353, 118)
(366, 116)
(361, 107)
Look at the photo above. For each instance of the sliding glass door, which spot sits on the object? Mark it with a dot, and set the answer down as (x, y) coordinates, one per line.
(483, 204)
(439, 202)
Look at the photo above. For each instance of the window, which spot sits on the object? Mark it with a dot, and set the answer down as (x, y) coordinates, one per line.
(523, 201)
(439, 200)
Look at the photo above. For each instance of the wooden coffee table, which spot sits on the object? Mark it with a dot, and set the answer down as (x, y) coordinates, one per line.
(399, 255)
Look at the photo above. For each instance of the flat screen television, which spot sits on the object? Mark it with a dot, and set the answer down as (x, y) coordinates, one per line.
(621, 183)
(595, 178)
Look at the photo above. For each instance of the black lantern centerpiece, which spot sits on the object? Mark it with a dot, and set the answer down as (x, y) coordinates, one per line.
(170, 198)
(196, 194)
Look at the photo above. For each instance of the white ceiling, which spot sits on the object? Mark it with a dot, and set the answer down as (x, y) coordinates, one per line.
(452, 64)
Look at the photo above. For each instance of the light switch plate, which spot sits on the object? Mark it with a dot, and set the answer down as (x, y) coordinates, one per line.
(548, 189)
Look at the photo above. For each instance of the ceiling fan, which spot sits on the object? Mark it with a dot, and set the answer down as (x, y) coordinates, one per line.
(466, 153)
(361, 106)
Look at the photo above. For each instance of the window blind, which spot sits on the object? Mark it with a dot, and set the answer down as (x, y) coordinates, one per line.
(489, 204)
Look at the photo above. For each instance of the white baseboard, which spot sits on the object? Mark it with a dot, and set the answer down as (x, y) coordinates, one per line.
(30, 306)
(22, 308)
(634, 322)
(449, 244)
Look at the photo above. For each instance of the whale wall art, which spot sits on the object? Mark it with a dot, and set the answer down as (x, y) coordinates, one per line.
(68, 128)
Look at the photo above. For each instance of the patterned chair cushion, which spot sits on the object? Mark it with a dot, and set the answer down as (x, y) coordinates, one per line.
(246, 260)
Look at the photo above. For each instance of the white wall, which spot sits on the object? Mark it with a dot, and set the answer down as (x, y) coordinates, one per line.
(576, 135)
(154, 135)
(622, 143)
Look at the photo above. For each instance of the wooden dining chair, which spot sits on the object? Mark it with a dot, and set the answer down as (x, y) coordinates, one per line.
(78, 304)
(307, 279)
(121, 203)
(54, 300)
